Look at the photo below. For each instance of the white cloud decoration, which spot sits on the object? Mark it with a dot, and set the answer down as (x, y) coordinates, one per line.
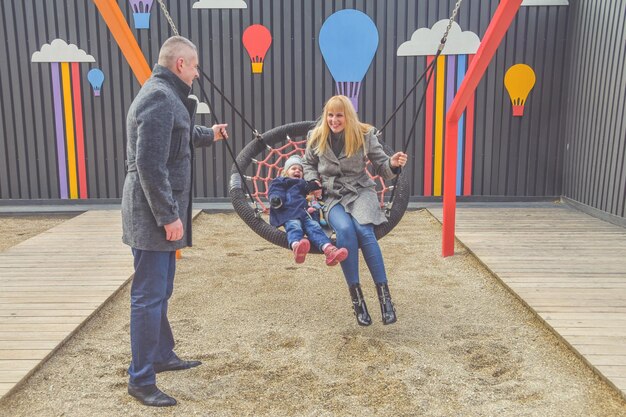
(425, 41)
(545, 3)
(60, 51)
(220, 4)
(203, 108)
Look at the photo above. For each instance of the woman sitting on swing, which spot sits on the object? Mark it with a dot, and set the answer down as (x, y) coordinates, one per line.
(336, 154)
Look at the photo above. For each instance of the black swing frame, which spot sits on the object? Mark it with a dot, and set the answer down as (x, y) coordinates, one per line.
(251, 215)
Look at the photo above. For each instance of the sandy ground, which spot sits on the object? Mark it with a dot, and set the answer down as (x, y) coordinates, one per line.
(278, 339)
(16, 229)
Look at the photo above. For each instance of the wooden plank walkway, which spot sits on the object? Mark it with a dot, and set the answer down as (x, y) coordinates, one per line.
(52, 283)
(568, 267)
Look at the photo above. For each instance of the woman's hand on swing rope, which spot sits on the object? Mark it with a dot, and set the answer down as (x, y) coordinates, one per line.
(219, 132)
(398, 160)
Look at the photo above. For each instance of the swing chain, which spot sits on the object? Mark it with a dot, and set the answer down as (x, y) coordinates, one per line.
(168, 17)
(452, 17)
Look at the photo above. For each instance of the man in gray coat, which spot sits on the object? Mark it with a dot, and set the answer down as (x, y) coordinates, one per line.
(156, 208)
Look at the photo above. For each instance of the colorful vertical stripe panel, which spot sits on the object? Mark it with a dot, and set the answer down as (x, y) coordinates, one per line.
(469, 141)
(460, 74)
(69, 128)
(450, 72)
(80, 137)
(440, 76)
(428, 134)
(58, 122)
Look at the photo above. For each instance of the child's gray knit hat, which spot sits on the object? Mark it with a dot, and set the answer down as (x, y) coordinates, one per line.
(292, 160)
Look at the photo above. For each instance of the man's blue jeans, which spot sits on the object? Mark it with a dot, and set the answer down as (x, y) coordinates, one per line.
(151, 338)
(296, 229)
(352, 235)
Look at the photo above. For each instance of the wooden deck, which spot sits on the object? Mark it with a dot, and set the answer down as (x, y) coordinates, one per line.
(568, 267)
(50, 284)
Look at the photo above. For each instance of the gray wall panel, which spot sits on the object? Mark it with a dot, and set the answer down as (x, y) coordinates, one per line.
(594, 130)
(513, 157)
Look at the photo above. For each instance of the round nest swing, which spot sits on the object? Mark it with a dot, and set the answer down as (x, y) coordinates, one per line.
(290, 139)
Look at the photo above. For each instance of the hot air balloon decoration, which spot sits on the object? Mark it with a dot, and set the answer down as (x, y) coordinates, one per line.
(96, 78)
(348, 40)
(519, 80)
(141, 13)
(257, 40)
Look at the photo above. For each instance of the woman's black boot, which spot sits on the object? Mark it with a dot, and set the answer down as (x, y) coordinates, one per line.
(360, 309)
(386, 306)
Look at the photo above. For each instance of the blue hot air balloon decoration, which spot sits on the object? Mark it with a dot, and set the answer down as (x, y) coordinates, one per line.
(96, 78)
(348, 41)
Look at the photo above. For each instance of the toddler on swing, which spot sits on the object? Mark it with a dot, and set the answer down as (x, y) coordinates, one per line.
(289, 208)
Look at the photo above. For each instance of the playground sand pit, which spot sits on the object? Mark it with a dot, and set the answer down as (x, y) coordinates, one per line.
(17, 229)
(280, 339)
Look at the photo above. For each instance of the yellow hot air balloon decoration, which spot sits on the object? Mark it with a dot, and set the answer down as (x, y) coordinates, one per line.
(519, 80)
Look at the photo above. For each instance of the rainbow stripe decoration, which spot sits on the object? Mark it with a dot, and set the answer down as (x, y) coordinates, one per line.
(449, 73)
(64, 62)
(450, 70)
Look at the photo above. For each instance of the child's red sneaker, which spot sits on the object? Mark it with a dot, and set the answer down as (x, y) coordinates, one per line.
(300, 249)
(334, 255)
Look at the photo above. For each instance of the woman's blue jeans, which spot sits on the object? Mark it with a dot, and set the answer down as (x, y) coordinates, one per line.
(352, 235)
(151, 338)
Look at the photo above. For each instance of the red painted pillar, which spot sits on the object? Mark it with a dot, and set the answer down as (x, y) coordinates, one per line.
(500, 23)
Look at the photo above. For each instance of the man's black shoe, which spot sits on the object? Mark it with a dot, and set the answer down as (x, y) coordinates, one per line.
(151, 396)
(175, 364)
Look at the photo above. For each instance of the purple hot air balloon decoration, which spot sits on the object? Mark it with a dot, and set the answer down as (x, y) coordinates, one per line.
(141, 13)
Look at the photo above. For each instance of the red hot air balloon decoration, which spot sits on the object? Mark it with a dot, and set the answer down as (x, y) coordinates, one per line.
(257, 40)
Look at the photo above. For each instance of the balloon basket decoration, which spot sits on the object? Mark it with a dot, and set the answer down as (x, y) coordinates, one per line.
(351, 90)
(257, 67)
(142, 20)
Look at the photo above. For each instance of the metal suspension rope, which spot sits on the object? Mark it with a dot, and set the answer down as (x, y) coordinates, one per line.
(430, 69)
(439, 50)
(410, 135)
(168, 17)
(211, 108)
(216, 88)
(230, 150)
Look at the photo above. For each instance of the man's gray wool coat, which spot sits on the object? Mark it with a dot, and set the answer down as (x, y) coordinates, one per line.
(157, 189)
(345, 181)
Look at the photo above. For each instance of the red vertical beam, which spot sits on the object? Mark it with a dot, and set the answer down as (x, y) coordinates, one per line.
(502, 18)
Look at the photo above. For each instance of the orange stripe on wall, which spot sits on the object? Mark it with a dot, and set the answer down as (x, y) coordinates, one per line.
(80, 137)
(112, 15)
(69, 129)
(439, 102)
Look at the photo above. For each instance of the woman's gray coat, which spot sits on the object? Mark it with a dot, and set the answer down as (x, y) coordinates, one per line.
(157, 189)
(345, 181)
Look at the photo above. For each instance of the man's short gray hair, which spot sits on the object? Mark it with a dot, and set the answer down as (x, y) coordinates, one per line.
(174, 48)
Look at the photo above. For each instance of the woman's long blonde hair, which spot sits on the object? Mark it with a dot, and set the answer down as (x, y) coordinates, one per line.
(354, 129)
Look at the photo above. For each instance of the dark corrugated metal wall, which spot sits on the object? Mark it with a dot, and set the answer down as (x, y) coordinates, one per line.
(596, 129)
(513, 157)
